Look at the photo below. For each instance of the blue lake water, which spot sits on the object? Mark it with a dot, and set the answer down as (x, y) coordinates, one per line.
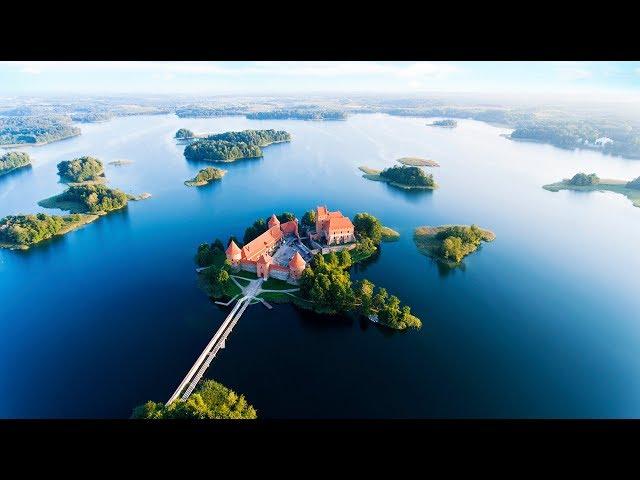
(543, 322)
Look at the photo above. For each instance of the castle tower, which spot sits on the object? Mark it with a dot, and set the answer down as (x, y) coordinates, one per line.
(297, 265)
(234, 254)
(273, 221)
(262, 265)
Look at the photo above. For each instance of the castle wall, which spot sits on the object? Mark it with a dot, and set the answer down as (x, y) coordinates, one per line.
(248, 267)
(279, 274)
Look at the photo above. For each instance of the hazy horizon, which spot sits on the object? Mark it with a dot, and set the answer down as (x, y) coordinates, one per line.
(610, 81)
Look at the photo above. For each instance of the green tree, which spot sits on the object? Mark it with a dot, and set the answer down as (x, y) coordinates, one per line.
(368, 226)
(184, 133)
(344, 259)
(309, 218)
(210, 401)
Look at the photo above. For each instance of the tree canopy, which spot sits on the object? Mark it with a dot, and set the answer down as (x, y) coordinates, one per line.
(326, 282)
(35, 129)
(582, 179)
(309, 218)
(231, 146)
(30, 229)
(408, 176)
(635, 183)
(95, 198)
(81, 169)
(210, 401)
(12, 160)
(184, 133)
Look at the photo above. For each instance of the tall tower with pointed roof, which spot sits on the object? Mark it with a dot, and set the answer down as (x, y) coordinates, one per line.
(234, 254)
(273, 221)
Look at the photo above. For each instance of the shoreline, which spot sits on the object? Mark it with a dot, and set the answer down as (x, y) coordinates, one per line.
(605, 185)
(85, 219)
(39, 144)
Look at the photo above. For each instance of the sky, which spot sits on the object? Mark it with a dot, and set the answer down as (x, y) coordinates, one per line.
(619, 80)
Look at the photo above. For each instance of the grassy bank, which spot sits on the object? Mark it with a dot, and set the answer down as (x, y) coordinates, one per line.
(389, 234)
(605, 185)
(418, 162)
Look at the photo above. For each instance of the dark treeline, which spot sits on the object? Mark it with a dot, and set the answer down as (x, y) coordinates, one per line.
(299, 114)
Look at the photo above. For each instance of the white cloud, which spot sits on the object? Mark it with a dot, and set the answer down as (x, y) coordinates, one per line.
(572, 73)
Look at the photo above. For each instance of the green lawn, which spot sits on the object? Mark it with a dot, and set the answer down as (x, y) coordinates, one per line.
(275, 284)
(245, 274)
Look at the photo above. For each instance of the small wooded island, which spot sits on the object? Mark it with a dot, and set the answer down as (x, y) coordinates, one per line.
(184, 134)
(11, 161)
(232, 146)
(322, 280)
(450, 243)
(401, 176)
(81, 170)
(582, 182)
(447, 123)
(205, 176)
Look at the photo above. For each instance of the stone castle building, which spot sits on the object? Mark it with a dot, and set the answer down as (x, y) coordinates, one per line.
(333, 228)
(256, 256)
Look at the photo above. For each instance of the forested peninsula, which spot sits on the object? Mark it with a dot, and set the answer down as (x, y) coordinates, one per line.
(581, 182)
(19, 232)
(35, 130)
(11, 161)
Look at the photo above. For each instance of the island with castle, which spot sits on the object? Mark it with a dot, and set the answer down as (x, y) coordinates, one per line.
(305, 263)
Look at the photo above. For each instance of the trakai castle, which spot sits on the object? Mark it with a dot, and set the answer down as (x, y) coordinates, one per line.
(280, 253)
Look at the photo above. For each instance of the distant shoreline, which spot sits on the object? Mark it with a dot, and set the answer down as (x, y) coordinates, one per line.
(39, 144)
(605, 185)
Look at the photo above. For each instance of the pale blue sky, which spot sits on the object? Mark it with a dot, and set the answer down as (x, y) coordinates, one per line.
(618, 79)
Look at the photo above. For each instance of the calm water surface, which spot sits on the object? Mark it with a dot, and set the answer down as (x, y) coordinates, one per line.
(543, 322)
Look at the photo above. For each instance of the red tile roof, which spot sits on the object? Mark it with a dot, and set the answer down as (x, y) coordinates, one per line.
(233, 249)
(297, 261)
(262, 242)
(338, 223)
